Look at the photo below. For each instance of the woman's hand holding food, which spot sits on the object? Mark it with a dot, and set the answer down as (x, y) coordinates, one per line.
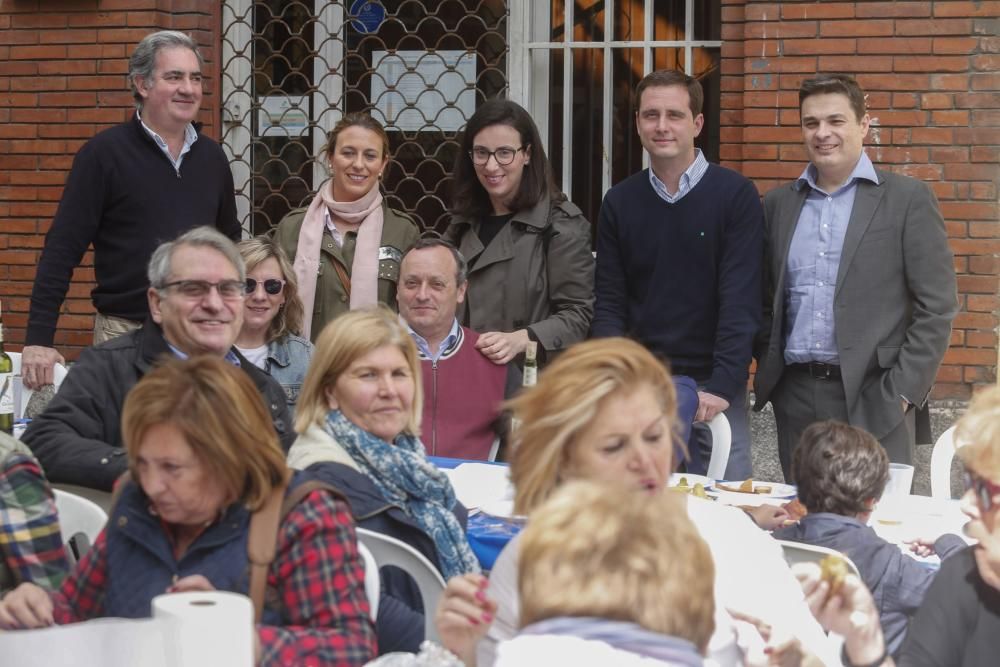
(464, 615)
(843, 604)
(27, 606)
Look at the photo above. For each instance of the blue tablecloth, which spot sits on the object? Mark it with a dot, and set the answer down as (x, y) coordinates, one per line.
(487, 535)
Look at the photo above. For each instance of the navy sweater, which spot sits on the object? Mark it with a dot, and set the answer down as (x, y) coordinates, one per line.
(124, 196)
(684, 278)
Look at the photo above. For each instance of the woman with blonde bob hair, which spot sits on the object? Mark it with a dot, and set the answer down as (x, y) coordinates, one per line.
(358, 421)
(272, 317)
(959, 620)
(604, 412)
(203, 458)
(613, 580)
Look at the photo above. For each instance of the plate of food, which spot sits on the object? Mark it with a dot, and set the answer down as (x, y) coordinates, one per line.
(752, 487)
(696, 485)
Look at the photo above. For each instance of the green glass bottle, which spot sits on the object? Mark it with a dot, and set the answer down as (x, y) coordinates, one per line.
(6, 386)
(530, 375)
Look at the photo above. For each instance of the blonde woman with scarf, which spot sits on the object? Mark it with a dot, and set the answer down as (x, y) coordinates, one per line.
(346, 245)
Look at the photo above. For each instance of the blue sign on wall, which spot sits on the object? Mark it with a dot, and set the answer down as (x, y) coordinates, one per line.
(368, 14)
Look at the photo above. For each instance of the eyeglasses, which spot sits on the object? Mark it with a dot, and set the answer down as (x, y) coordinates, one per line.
(272, 286)
(504, 155)
(984, 490)
(198, 289)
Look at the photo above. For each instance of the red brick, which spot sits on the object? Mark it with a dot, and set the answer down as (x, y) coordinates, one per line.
(873, 28)
(948, 82)
(956, 230)
(898, 154)
(855, 64)
(761, 11)
(945, 391)
(989, 81)
(987, 191)
(950, 154)
(924, 172)
(959, 118)
(895, 9)
(946, 45)
(937, 101)
(981, 338)
(817, 10)
(985, 230)
(949, 374)
(894, 118)
(904, 100)
(977, 135)
(914, 27)
(979, 8)
(936, 64)
(895, 81)
(798, 47)
(786, 30)
(968, 210)
(893, 46)
(968, 172)
(989, 63)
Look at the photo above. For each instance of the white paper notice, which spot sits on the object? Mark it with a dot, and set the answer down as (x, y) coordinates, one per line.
(283, 116)
(422, 89)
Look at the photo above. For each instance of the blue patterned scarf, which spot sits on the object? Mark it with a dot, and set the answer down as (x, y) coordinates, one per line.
(405, 477)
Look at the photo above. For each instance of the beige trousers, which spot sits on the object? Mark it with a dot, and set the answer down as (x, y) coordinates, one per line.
(107, 327)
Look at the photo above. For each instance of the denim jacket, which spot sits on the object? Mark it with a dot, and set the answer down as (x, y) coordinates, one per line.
(287, 361)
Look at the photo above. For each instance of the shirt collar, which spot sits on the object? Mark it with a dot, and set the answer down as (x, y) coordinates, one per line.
(190, 134)
(864, 169)
(424, 348)
(230, 355)
(700, 162)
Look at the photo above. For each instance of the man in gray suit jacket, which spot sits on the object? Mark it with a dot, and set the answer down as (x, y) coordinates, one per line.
(860, 284)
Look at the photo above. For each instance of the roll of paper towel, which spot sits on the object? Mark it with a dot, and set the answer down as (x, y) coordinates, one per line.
(212, 629)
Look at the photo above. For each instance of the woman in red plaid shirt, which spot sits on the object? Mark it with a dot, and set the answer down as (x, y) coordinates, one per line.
(203, 457)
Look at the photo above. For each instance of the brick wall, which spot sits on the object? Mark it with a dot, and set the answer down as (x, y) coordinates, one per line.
(62, 79)
(932, 74)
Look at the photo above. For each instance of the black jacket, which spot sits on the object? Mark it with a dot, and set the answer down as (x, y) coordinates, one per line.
(78, 438)
(400, 622)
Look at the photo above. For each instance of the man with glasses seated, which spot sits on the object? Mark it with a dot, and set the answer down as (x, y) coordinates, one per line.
(197, 288)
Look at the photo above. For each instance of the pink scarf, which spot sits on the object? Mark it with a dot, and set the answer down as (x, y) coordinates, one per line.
(367, 214)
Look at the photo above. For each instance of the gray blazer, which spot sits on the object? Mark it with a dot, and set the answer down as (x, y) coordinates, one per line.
(894, 302)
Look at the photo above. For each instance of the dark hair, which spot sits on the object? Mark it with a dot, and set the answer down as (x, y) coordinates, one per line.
(428, 241)
(671, 77)
(838, 468)
(827, 84)
(358, 119)
(142, 63)
(468, 197)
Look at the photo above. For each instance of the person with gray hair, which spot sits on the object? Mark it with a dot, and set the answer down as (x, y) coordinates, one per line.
(195, 302)
(463, 389)
(130, 188)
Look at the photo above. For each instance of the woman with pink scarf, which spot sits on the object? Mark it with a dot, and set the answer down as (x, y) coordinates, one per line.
(346, 245)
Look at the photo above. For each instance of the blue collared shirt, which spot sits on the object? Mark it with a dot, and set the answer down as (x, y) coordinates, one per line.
(230, 355)
(690, 178)
(813, 262)
(190, 136)
(425, 349)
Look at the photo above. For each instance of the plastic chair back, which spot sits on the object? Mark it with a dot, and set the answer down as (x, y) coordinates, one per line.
(941, 457)
(372, 585)
(390, 551)
(80, 521)
(799, 552)
(722, 440)
(58, 375)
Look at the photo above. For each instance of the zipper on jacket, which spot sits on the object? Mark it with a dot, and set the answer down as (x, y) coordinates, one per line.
(434, 406)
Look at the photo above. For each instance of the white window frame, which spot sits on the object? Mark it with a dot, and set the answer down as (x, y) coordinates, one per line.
(529, 69)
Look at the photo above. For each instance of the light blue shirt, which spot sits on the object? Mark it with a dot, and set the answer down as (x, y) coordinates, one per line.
(813, 263)
(425, 349)
(230, 355)
(690, 178)
(190, 136)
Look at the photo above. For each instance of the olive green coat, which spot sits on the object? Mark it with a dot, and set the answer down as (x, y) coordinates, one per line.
(399, 232)
(537, 272)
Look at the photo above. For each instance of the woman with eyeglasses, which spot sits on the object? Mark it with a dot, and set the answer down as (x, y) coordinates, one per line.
(531, 270)
(959, 621)
(272, 317)
(345, 247)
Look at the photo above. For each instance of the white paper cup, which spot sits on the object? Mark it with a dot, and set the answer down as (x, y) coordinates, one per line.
(900, 480)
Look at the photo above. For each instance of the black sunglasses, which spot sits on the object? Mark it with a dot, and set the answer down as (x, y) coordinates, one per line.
(272, 286)
(984, 489)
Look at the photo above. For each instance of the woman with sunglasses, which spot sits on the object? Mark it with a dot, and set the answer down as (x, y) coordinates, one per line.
(272, 317)
(531, 270)
(959, 621)
(345, 247)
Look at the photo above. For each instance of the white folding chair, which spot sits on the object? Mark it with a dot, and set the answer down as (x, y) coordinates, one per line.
(80, 521)
(58, 375)
(372, 585)
(722, 440)
(390, 551)
(941, 457)
(799, 552)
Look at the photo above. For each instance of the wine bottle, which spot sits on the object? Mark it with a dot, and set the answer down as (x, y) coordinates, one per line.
(6, 386)
(530, 376)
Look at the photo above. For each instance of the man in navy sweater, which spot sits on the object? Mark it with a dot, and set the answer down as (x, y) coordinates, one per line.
(679, 248)
(131, 188)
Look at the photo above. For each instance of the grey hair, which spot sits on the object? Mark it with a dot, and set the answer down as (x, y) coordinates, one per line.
(143, 59)
(462, 266)
(160, 264)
